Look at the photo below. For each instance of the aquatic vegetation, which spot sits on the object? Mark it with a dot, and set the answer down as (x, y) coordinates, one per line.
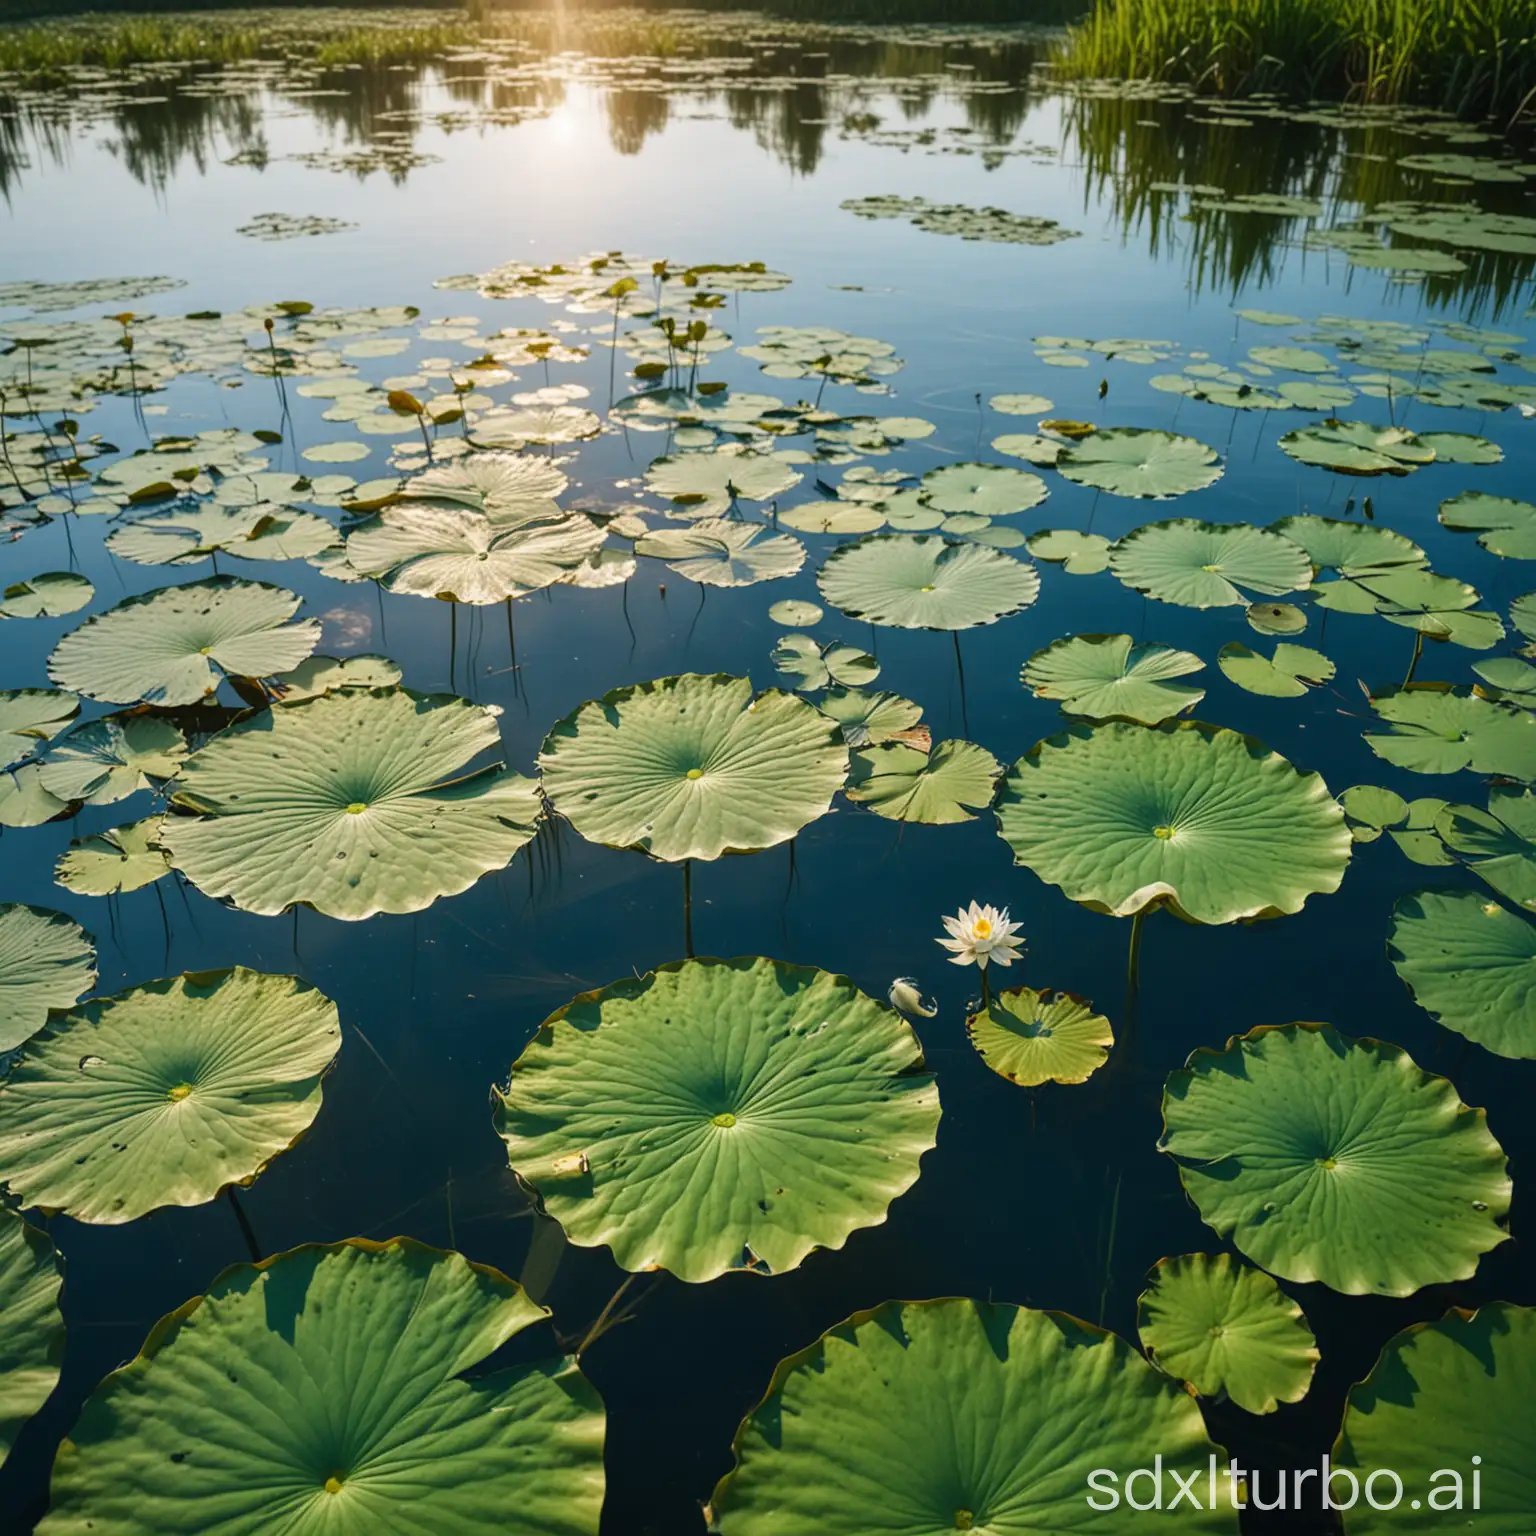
(391, 1325)
(1033, 1037)
(289, 226)
(718, 552)
(1228, 1330)
(1079, 554)
(1304, 1147)
(1127, 461)
(981, 935)
(1439, 607)
(125, 858)
(1499, 844)
(165, 1094)
(47, 962)
(29, 717)
(1503, 525)
(939, 786)
(807, 664)
(1289, 674)
(989, 490)
(52, 595)
(1357, 448)
(31, 1326)
(1033, 1401)
(924, 581)
(1106, 677)
(353, 803)
(111, 758)
(813, 1094)
(708, 482)
(1436, 730)
(1208, 565)
(868, 719)
(995, 224)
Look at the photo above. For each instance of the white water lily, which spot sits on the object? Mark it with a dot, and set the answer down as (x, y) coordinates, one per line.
(906, 997)
(980, 934)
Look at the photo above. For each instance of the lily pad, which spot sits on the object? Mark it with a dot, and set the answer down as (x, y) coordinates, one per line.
(924, 581)
(47, 963)
(185, 535)
(352, 803)
(806, 664)
(903, 783)
(31, 1326)
(1503, 526)
(123, 858)
(1206, 821)
(1371, 810)
(1031, 447)
(49, 596)
(1288, 675)
(722, 552)
(1209, 565)
(1499, 844)
(795, 613)
(1472, 964)
(1103, 677)
(1227, 1330)
(991, 490)
(1131, 461)
(1021, 405)
(718, 1115)
(175, 645)
(165, 1094)
(1330, 1159)
(31, 716)
(1357, 448)
(335, 1389)
(706, 482)
(329, 674)
(1440, 607)
(1033, 1037)
(1434, 730)
(1080, 554)
(868, 719)
(1351, 549)
(834, 517)
(506, 487)
(1276, 618)
(1032, 1404)
(109, 759)
(692, 767)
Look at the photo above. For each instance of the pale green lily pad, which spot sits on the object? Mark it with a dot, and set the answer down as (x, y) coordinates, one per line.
(1292, 359)
(31, 716)
(795, 612)
(1209, 565)
(1032, 1405)
(1499, 844)
(1080, 554)
(1371, 809)
(1033, 1037)
(1289, 674)
(175, 645)
(1472, 964)
(1509, 679)
(165, 1094)
(1351, 549)
(1102, 677)
(352, 803)
(1276, 618)
(47, 963)
(990, 490)
(1031, 447)
(834, 517)
(23, 800)
(1315, 395)
(705, 482)
(1357, 448)
(923, 581)
(945, 785)
(692, 767)
(506, 487)
(1228, 1331)
(1203, 820)
(185, 535)
(718, 1115)
(1130, 461)
(329, 674)
(723, 552)
(343, 451)
(248, 1384)
(1328, 1159)
(807, 664)
(107, 760)
(1444, 1397)
(1418, 838)
(1437, 731)
(1503, 526)
(49, 596)
(31, 1325)
(123, 858)
(868, 719)
(1440, 607)
(1522, 613)
(1021, 405)
(1461, 448)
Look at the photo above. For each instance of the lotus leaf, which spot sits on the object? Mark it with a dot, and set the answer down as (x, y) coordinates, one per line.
(1276, 618)
(868, 719)
(164, 1094)
(722, 552)
(1130, 461)
(31, 716)
(1357, 448)
(806, 664)
(1472, 964)
(1522, 613)
(109, 759)
(31, 1327)
(1288, 675)
(1021, 405)
(506, 487)
(692, 767)
(23, 800)
(1351, 549)
(1081, 554)
(1033, 1037)
(1204, 820)
(47, 962)
(923, 581)
(1208, 565)
(185, 535)
(795, 613)
(718, 1115)
(1031, 1404)
(1451, 1394)
(1436, 606)
(834, 517)
(327, 674)
(1102, 677)
(352, 803)
(174, 645)
(335, 1390)
(49, 596)
(1227, 1330)
(1437, 731)
(1331, 1159)
(1509, 680)
(120, 859)
(992, 490)
(1504, 526)
(1499, 844)
(1461, 448)
(1031, 447)
(1371, 809)
(707, 482)
(902, 783)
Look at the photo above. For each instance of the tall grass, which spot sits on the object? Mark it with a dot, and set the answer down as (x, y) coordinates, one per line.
(1473, 57)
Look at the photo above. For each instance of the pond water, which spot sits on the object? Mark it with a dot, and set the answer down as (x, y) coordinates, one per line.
(745, 149)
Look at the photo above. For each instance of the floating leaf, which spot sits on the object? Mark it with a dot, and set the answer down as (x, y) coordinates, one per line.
(31, 1326)
(185, 535)
(1208, 565)
(868, 719)
(1227, 1330)
(834, 517)
(794, 613)
(1288, 675)
(692, 767)
(1330, 1159)
(1034, 1037)
(1509, 680)
(1499, 844)
(1081, 554)
(1351, 549)
(923, 581)
(1504, 526)
(706, 482)
(1101, 677)
(344, 451)
(902, 783)
(1436, 731)
(1437, 606)
(109, 759)
(31, 716)
(721, 552)
(123, 858)
(506, 487)
(629, 1101)
(1021, 405)
(1461, 448)
(49, 596)
(806, 664)
(47, 962)
(1030, 446)
(1371, 809)
(1130, 461)
(327, 674)
(1211, 823)
(1357, 448)
(1276, 618)
(991, 490)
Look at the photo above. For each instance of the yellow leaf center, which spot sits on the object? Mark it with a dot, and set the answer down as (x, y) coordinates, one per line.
(179, 1092)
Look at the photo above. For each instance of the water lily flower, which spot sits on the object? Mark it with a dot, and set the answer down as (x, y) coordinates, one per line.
(980, 934)
(906, 997)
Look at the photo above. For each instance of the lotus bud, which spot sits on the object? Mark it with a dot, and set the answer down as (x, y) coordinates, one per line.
(906, 998)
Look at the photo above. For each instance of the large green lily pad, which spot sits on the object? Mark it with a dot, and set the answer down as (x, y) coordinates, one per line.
(1101, 677)
(174, 645)
(1351, 549)
(334, 1391)
(706, 482)
(1357, 448)
(352, 803)
(692, 767)
(1227, 1330)
(923, 581)
(1440, 607)
(47, 963)
(1209, 565)
(1206, 821)
(1437, 731)
(31, 1326)
(1033, 1037)
(1289, 674)
(1326, 1158)
(723, 552)
(508, 488)
(165, 1094)
(719, 1115)
(1499, 844)
(1503, 526)
(1472, 964)
(50, 595)
(109, 759)
(991, 490)
(1031, 1404)
(902, 783)
(31, 716)
(1447, 1406)
(1131, 461)
(123, 858)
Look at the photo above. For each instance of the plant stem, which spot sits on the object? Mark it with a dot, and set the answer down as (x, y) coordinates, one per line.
(1418, 650)
(1133, 961)
(688, 908)
(246, 1232)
